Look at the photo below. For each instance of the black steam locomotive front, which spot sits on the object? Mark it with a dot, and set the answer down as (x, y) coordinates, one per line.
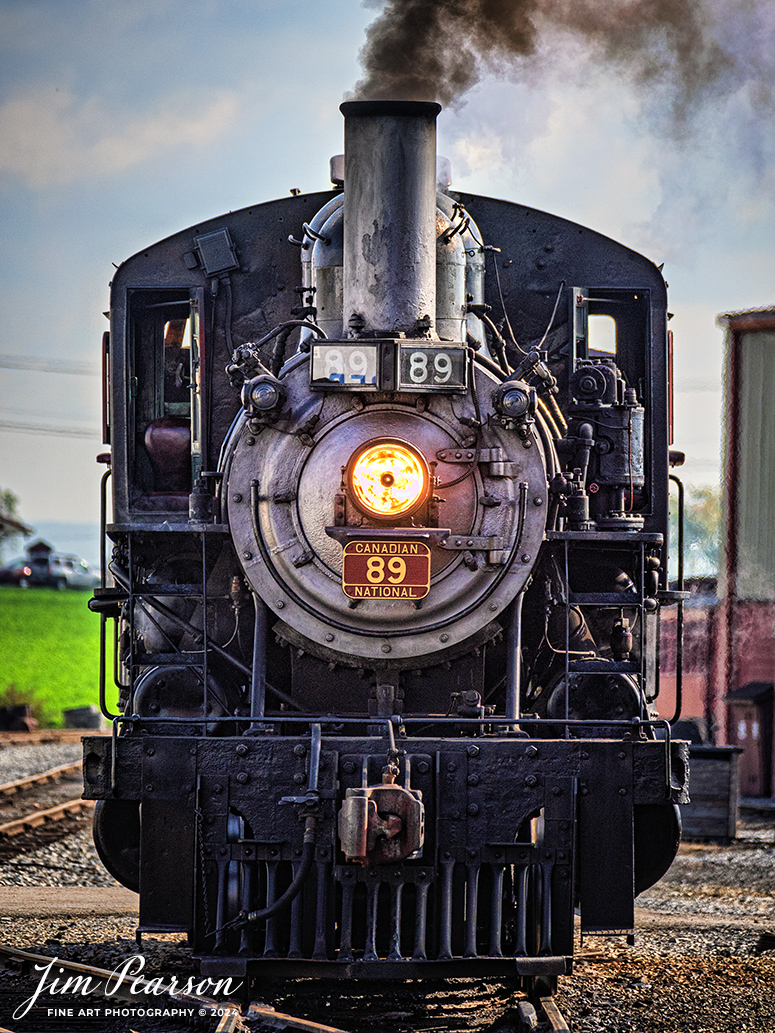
(386, 599)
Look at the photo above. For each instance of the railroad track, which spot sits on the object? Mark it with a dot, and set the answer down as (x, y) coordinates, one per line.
(48, 735)
(226, 1016)
(39, 809)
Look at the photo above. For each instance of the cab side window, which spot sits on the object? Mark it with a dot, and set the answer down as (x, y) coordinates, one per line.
(165, 398)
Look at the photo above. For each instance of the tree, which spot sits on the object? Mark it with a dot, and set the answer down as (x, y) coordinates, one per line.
(702, 532)
(11, 526)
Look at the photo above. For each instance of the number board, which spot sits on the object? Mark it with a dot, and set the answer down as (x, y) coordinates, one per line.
(344, 365)
(433, 369)
(386, 569)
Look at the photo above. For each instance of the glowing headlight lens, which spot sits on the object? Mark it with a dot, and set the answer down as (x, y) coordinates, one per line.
(388, 479)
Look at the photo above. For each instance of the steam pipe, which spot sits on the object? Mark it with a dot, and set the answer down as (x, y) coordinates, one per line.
(514, 669)
(390, 216)
(258, 677)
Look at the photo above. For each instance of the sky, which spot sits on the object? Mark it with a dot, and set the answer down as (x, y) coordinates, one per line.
(123, 121)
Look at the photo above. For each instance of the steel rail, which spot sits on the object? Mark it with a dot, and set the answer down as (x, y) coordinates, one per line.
(36, 818)
(52, 775)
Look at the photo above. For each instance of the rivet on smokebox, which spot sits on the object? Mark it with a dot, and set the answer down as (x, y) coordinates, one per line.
(329, 637)
(385, 648)
(525, 557)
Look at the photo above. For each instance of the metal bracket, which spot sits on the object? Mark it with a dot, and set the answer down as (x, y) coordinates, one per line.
(473, 543)
(496, 459)
(467, 455)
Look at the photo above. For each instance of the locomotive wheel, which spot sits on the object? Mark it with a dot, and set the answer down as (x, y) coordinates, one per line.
(657, 836)
(117, 839)
(537, 987)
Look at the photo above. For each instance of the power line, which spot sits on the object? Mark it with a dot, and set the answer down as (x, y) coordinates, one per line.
(40, 428)
(85, 369)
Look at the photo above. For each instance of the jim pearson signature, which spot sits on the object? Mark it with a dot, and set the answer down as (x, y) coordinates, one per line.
(128, 972)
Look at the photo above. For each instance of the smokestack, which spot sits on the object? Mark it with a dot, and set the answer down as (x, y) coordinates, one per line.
(390, 216)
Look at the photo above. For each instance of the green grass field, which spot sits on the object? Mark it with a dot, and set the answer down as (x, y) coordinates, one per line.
(49, 650)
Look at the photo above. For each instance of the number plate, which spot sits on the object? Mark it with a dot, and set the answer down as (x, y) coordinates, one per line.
(344, 365)
(386, 569)
(433, 369)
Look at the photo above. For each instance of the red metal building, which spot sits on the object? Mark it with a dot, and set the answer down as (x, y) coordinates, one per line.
(743, 668)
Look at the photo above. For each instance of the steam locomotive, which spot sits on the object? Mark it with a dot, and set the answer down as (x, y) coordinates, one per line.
(388, 518)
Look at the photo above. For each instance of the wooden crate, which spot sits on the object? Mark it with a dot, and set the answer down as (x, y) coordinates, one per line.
(714, 789)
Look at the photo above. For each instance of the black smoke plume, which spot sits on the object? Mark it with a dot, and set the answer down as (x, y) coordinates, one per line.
(439, 49)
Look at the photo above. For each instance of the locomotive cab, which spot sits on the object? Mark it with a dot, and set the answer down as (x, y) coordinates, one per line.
(389, 535)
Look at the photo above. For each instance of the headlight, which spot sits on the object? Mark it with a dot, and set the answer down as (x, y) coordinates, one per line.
(387, 479)
(263, 394)
(515, 400)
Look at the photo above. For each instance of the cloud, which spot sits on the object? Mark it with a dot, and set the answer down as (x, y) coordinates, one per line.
(50, 137)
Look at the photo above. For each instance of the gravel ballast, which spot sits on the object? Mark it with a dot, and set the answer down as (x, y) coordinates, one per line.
(20, 761)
